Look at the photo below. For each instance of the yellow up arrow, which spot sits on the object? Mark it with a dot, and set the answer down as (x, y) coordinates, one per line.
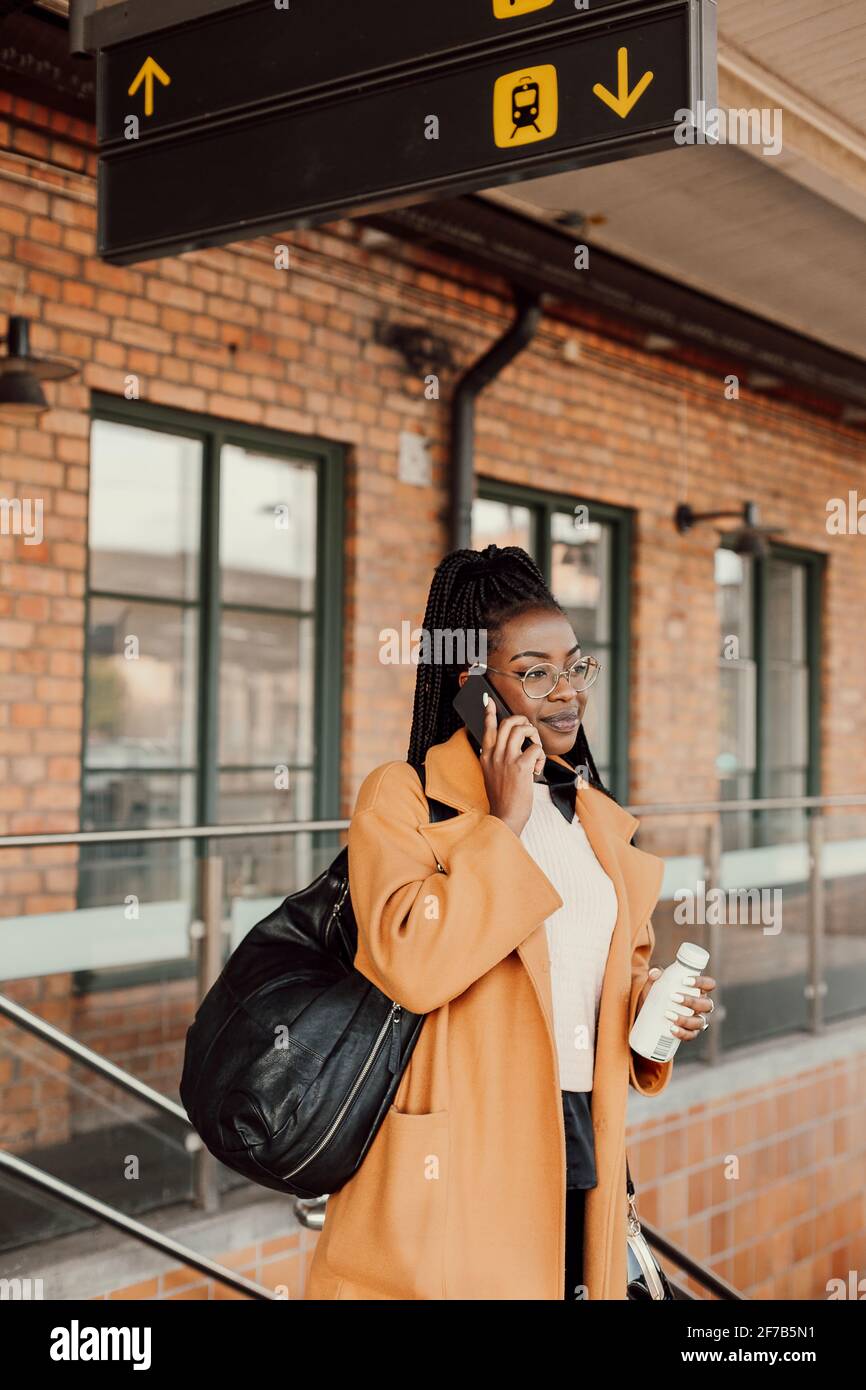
(149, 70)
(624, 100)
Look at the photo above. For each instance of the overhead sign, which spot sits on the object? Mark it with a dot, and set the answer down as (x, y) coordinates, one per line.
(257, 119)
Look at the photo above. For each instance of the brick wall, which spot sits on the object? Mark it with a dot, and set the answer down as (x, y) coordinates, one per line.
(766, 1186)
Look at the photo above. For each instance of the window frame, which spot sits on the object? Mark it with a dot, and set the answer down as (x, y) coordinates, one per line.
(541, 504)
(215, 432)
(814, 565)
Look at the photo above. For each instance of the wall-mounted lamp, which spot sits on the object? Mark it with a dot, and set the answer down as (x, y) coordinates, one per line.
(21, 374)
(422, 351)
(749, 538)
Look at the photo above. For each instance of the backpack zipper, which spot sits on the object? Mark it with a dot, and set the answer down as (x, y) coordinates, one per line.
(335, 913)
(392, 1022)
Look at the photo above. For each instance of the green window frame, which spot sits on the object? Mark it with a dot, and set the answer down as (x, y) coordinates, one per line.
(615, 652)
(213, 435)
(760, 778)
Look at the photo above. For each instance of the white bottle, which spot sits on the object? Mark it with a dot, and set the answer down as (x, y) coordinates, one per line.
(651, 1035)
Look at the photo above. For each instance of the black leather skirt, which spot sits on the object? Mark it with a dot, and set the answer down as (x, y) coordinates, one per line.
(580, 1170)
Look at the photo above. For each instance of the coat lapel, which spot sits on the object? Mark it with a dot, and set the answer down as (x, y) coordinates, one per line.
(453, 775)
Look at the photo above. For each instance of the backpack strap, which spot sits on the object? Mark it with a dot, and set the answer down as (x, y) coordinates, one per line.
(438, 809)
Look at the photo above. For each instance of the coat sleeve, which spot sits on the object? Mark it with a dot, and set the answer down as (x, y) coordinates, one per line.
(424, 936)
(644, 1075)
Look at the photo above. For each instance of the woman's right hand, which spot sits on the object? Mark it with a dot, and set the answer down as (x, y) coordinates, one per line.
(507, 771)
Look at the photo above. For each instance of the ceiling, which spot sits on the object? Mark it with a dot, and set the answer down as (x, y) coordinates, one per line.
(782, 236)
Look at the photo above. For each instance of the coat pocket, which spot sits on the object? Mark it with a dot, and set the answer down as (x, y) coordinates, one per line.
(385, 1230)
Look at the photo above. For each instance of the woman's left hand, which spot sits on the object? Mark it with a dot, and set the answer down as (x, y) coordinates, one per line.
(691, 1025)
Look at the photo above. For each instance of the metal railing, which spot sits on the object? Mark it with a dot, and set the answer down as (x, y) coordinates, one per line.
(209, 931)
(71, 1196)
(17, 1167)
(816, 987)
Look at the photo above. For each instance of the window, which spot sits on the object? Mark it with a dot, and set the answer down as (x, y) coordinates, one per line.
(768, 610)
(213, 612)
(584, 557)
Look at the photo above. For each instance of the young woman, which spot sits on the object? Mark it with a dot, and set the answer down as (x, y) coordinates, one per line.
(521, 928)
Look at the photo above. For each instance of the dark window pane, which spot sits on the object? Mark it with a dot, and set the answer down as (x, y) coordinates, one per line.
(786, 610)
(154, 871)
(789, 825)
(737, 717)
(120, 800)
(267, 529)
(266, 865)
(145, 491)
(580, 576)
(141, 684)
(788, 724)
(276, 794)
(597, 716)
(266, 689)
(500, 523)
(737, 830)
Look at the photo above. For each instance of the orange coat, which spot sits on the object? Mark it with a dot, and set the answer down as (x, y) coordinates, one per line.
(461, 1195)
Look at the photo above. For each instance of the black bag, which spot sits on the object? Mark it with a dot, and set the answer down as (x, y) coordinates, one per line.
(294, 1057)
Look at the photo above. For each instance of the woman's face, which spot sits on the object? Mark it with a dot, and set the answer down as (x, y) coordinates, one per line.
(523, 643)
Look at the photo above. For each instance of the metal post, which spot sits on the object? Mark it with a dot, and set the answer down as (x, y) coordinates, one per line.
(714, 939)
(817, 986)
(210, 951)
(210, 960)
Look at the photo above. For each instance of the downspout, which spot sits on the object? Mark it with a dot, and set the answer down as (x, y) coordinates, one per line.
(79, 12)
(471, 384)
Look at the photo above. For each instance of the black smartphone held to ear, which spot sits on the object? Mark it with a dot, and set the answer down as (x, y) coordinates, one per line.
(469, 704)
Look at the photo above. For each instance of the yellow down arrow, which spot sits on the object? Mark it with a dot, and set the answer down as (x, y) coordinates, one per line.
(624, 100)
(149, 70)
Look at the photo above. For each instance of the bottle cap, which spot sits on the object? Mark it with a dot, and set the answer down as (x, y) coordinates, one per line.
(692, 955)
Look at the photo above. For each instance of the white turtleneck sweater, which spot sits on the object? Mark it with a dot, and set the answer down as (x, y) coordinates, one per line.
(578, 933)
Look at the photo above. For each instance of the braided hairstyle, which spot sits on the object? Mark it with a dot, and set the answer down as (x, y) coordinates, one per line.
(474, 591)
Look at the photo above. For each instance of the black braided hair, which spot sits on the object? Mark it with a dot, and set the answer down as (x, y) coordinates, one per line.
(474, 591)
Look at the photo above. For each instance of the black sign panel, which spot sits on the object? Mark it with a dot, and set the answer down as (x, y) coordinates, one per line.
(254, 53)
(544, 100)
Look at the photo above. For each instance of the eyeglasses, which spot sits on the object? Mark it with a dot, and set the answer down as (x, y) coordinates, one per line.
(540, 681)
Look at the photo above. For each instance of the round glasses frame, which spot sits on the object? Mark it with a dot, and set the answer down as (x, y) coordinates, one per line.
(585, 663)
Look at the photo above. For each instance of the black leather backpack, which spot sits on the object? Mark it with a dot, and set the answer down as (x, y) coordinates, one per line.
(293, 1057)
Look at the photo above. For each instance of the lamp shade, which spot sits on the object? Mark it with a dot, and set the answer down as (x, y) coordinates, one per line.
(21, 395)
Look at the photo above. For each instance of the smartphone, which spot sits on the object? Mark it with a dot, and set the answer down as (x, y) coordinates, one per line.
(469, 704)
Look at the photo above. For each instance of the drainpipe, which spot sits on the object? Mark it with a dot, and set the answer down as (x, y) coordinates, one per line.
(79, 12)
(471, 384)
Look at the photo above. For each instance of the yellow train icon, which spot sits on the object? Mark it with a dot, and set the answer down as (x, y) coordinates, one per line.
(525, 106)
(525, 102)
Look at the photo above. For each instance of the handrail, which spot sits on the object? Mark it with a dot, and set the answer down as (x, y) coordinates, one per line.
(301, 827)
(761, 803)
(64, 1042)
(175, 832)
(691, 1266)
(73, 1196)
